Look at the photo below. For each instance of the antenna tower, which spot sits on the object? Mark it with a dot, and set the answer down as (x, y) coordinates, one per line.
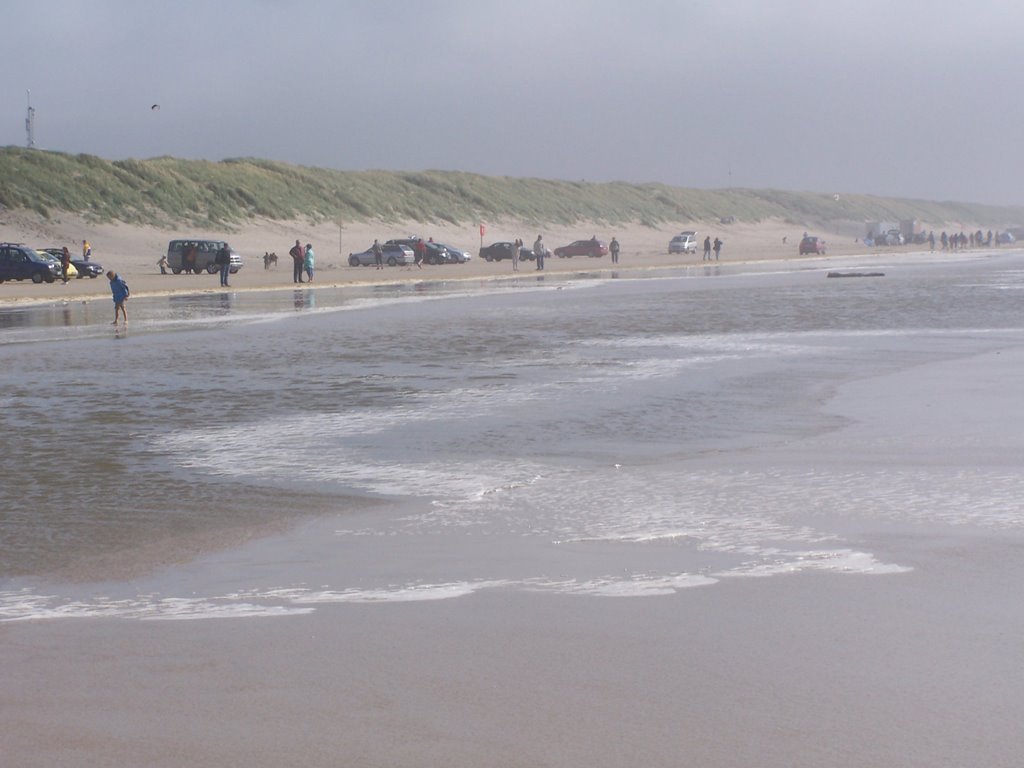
(30, 122)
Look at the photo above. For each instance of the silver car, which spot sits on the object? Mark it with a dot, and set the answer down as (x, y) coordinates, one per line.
(394, 255)
(684, 242)
(459, 256)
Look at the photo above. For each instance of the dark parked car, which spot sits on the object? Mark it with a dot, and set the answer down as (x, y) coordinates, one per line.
(503, 250)
(19, 262)
(811, 244)
(435, 253)
(592, 247)
(85, 268)
(393, 254)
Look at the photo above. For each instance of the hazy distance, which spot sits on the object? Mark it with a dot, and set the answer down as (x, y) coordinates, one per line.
(908, 99)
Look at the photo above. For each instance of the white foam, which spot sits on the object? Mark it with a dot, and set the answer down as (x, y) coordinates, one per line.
(23, 605)
(638, 585)
(838, 561)
(395, 594)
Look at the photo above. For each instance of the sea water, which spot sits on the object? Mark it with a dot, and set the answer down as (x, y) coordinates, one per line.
(626, 434)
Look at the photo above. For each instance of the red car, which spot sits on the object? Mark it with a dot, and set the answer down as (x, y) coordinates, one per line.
(592, 247)
(812, 244)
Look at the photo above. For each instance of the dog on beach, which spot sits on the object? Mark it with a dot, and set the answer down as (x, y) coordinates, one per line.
(269, 260)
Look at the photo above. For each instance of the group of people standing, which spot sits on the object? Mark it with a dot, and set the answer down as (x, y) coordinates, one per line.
(709, 247)
(303, 260)
(959, 241)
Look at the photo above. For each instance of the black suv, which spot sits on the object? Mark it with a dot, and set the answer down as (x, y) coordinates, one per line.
(19, 262)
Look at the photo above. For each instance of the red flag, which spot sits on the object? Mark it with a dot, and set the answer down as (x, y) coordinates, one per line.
(483, 229)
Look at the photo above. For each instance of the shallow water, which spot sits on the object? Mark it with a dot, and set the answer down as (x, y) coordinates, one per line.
(630, 436)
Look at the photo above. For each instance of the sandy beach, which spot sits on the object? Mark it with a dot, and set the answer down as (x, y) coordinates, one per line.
(738, 518)
(133, 251)
(920, 669)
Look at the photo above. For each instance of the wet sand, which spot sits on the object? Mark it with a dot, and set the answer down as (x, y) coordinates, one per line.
(810, 669)
(796, 671)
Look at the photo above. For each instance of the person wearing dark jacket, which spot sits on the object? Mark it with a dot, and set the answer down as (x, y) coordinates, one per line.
(65, 264)
(223, 262)
(298, 254)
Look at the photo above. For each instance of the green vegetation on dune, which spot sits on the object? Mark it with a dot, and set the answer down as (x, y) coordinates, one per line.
(167, 191)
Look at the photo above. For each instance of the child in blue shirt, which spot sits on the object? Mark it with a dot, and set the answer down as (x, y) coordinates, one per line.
(119, 289)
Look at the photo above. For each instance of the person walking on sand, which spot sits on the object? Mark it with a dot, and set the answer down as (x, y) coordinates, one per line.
(515, 254)
(190, 260)
(539, 251)
(223, 262)
(120, 293)
(309, 261)
(378, 255)
(298, 260)
(86, 250)
(163, 264)
(717, 248)
(65, 264)
(613, 249)
(707, 248)
(421, 250)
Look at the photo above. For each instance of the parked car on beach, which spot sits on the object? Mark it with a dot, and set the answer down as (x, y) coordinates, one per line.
(72, 271)
(458, 255)
(684, 242)
(85, 268)
(812, 244)
(19, 262)
(394, 255)
(503, 250)
(205, 252)
(593, 248)
(435, 253)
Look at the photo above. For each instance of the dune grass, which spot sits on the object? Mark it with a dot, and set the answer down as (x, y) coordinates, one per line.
(167, 191)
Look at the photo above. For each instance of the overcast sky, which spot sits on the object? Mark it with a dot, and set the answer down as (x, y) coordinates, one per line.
(910, 98)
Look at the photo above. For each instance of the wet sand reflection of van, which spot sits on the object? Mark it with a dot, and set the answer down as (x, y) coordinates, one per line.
(205, 253)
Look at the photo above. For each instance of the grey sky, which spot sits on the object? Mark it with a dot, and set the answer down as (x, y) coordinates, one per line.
(913, 98)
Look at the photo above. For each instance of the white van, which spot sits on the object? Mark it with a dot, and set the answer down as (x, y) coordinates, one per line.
(684, 242)
(204, 252)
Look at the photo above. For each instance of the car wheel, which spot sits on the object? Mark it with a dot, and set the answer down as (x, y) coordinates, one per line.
(37, 278)
(353, 261)
(392, 261)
